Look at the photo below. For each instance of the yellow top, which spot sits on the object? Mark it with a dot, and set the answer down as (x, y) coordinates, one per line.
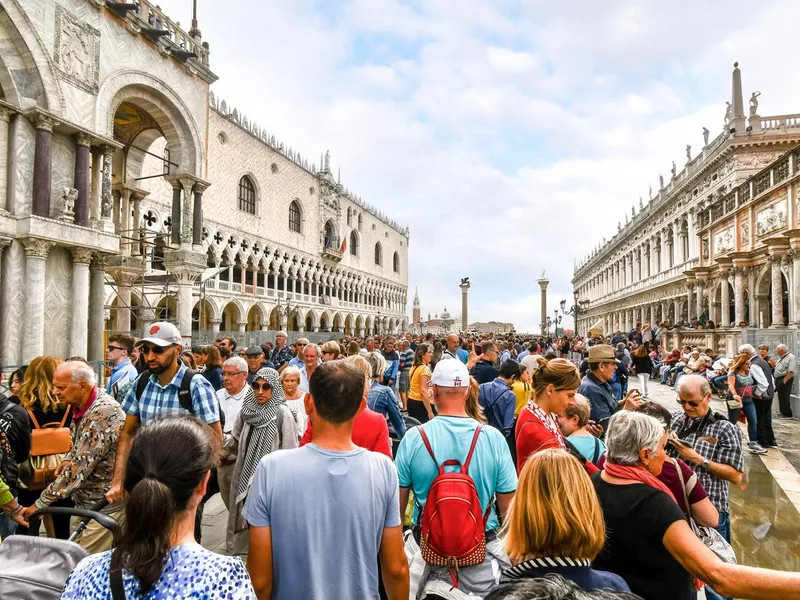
(417, 372)
(523, 393)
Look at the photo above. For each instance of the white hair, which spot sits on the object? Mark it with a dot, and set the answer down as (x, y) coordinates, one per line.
(238, 362)
(315, 347)
(782, 348)
(290, 371)
(283, 333)
(377, 364)
(80, 371)
(748, 348)
(630, 432)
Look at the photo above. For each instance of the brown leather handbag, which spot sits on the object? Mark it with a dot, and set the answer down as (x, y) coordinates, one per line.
(49, 444)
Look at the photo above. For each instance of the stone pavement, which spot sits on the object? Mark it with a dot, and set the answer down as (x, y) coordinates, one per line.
(765, 509)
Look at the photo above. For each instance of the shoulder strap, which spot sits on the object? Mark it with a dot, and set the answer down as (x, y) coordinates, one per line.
(141, 383)
(185, 393)
(279, 422)
(596, 455)
(115, 583)
(683, 488)
(465, 466)
(66, 414)
(428, 448)
(33, 419)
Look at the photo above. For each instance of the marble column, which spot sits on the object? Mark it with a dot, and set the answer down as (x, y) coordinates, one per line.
(4, 152)
(82, 153)
(79, 338)
(96, 187)
(43, 165)
(689, 302)
(738, 296)
(175, 236)
(124, 282)
(197, 225)
(186, 279)
(97, 309)
(725, 302)
(136, 224)
(242, 326)
(106, 199)
(664, 311)
(777, 295)
(752, 296)
(187, 219)
(124, 225)
(676, 305)
(215, 323)
(699, 302)
(36, 251)
(794, 290)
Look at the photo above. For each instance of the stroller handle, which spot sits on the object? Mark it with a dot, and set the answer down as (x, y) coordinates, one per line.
(87, 514)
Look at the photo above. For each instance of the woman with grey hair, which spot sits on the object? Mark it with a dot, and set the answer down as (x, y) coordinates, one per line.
(650, 543)
(264, 424)
(554, 587)
(381, 398)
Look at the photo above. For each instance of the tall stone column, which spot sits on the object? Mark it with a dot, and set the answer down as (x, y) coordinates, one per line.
(465, 304)
(676, 305)
(197, 225)
(777, 289)
(186, 278)
(96, 187)
(106, 199)
(175, 236)
(4, 118)
(699, 302)
(725, 300)
(187, 219)
(82, 154)
(124, 280)
(750, 272)
(738, 295)
(215, 323)
(35, 257)
(97, 308)
(543, 283)
(79, 330)
(794, 289)
(689, 302)
(43, 165)
(124, 225)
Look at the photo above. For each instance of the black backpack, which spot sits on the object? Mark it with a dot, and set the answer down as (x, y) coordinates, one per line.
(184, 393)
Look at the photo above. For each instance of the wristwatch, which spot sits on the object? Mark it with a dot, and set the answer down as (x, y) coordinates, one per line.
(705, 464)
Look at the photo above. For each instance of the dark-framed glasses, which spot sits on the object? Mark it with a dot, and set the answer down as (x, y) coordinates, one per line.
(691, 403)
(257, 387)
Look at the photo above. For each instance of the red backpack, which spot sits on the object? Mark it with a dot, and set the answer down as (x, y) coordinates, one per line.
(453, 530)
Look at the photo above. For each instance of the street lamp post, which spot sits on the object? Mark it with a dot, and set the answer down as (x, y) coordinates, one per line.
(556, 322)
(575, 310)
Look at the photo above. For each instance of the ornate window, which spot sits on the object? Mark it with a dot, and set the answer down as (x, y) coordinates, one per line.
(294, 216)
(359, 221)
(353, 243)
(247, 195)
(396, 263)
(378, 254)
(330, 236)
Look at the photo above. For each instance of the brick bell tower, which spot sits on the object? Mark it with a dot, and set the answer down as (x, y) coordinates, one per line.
(415, 316)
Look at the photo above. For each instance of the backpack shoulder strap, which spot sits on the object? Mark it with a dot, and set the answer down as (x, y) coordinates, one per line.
(185, 393)
(428, 447)
(64, 418)
(465, 466)
(115, 583)
(596, 455)
(33, 419)
(141, 382)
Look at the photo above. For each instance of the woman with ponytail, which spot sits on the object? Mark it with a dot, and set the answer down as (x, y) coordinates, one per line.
(157, 557)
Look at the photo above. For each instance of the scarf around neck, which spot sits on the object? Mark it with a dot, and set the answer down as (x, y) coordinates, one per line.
(637, 473)
(548, 420)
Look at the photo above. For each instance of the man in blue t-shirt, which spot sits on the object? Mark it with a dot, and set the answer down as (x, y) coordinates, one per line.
(316, 529)
(120, 348)
(450, 435)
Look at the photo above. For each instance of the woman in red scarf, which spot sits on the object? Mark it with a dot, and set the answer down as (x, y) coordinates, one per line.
(650, 543)
(555, 383)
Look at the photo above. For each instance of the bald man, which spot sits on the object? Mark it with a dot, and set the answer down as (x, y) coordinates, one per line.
(87, 469)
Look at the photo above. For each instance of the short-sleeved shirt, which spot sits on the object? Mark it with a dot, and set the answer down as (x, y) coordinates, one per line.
(190, 572)
(121, 374)
(637, 516)
(159, 401)
(327, 511)
(588, 446)
(450, 437)
(415, 392)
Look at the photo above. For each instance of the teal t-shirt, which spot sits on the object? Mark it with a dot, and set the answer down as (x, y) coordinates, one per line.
(450, 437)
(586, 446)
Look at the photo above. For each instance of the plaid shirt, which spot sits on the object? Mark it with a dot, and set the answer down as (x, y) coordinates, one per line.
(158, 402)
(281, 356)
(720, 442)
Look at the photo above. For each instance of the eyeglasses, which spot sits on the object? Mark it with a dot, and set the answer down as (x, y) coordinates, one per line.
(112, 348)
(299, 344)
(689, 402)
(230, 374)
(147, 349)
(257, 387)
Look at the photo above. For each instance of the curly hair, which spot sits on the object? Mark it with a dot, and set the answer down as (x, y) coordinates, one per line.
(38, 384)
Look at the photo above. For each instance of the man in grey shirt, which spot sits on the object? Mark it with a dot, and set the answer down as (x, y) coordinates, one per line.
(322, 516)
(785, 371)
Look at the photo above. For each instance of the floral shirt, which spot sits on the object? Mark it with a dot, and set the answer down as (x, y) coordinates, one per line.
(91, 458)
(281, 356)
(190, 571)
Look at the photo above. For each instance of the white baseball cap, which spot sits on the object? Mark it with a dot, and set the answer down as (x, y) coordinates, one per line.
(451, 374)
(162, 334)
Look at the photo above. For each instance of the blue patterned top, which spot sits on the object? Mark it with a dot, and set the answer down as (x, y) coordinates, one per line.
(191, 571)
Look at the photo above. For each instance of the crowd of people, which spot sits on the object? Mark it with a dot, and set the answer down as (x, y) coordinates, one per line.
(394, 467)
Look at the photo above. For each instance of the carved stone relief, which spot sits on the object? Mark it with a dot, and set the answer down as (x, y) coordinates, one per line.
(744, 232)
(77, 51)
(771, 218)
(724, 241)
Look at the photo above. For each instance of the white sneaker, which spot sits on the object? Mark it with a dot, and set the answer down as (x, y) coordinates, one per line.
(756, 448)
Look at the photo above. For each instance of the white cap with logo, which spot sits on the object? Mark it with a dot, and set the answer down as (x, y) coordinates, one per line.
(450, 374)
(162, 334)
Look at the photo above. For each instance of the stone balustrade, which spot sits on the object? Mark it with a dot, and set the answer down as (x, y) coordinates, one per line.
(153, 17)
(780, 122)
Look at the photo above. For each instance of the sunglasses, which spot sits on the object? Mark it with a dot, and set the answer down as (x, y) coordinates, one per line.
(112, 348)
(147, 349)
(689, 402)
(257, 387)
(302, 345)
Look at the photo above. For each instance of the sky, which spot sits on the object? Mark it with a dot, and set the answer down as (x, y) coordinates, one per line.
(510, 136)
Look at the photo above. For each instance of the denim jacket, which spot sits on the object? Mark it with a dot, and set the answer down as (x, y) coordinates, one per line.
(382, 400)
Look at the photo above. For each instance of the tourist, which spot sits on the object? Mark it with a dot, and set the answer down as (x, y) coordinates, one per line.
(472, 407)
(281, 353)
(290, 556)
(118, 353)
(650, 543)
(85, 473)
(264, 425)
(763, 352)
(741, 385)
(15, 427)
(554, 386)
(554, 524)
(392, 358)
(36, 396)
(785, 371)
(10, 510)
(311, 359)
(485, 371)
(381, 398)
(199, 357)
(370, 430)
(763, 395)
(329, 351)
(165, 479)
(450, 436)
(226, 344)
(254, 356)
(438, 351)
(212, 366)
(353, 348)
(15, 381)
(505, 354)
(595, 385)
(553, 587)
(159, 397)
(297, 360)
(420, 403)
(230, 398)
(498, 400)
(522, 389)
(642, 366)
(670, 363)
(406, 361)
(574, 424)
(290, 380)
(187, 358)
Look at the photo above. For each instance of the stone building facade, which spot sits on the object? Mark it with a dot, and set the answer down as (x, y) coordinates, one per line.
(720, 240)
(129, 193)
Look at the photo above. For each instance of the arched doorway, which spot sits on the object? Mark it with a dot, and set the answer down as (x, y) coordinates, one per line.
(324, 322)
(337, 322)
(231, 316)
(274, 319)
(766, 295)
(254, 318)
(294, 321)
(166, 309)
(202, 314)
(348, 325)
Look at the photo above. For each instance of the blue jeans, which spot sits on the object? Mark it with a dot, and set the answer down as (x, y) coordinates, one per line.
(724, 529)
(720, 382)
(749, 409)
(616, 389)
(7, 527)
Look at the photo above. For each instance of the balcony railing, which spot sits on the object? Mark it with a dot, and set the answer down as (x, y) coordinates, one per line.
(332, 254)
(673, 273)
(155, 24)
(780, 122)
